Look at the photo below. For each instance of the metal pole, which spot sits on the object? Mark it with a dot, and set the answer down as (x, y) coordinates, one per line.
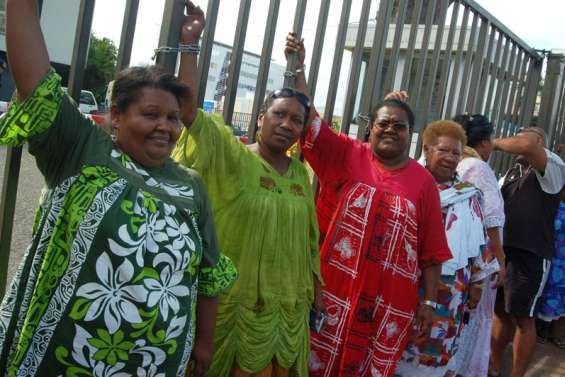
(169, 36)
(375, 61)
(531, 92)
(395, 51)
(80, 50)
(477, 66)
(354, 75)
(448, 109)
(409, 56)
(236, 59)
(485, 72)
(318, 46)
(128, 32)
(297, 29)
(467, 68)
(338, 58)
(264, 65)
(492, 71)
(206, 49)
(446, 66)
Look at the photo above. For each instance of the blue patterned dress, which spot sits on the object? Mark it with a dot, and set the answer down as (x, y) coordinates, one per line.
(553, 300)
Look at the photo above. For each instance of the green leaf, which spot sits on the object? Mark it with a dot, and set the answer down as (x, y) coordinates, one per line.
(80, 308)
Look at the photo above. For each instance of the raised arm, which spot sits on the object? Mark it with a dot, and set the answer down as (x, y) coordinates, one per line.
(295, 46)
(27, 52)
(194, 23)
(528, 144)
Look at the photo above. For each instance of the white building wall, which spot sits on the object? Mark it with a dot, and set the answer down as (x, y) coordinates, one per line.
(58, 21)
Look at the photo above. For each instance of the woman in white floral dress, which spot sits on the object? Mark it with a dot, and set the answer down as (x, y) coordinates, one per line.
(123, 267)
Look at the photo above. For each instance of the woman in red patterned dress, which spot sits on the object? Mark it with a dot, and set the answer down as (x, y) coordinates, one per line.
(381, 235)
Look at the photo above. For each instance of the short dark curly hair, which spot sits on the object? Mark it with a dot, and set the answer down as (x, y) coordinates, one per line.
(129, 83)
(478, 128)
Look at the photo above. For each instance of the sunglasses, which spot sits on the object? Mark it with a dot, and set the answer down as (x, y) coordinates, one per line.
(396, 126)
(291, 93)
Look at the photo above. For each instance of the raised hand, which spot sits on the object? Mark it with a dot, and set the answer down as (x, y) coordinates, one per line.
(193, 24)
(400, 95)
(295, 46)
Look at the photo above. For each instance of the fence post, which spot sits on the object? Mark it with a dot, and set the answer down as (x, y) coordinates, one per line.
(549, 107)
(128, 32)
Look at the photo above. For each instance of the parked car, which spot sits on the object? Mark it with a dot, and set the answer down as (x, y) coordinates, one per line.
(87, 104)
(4, 106)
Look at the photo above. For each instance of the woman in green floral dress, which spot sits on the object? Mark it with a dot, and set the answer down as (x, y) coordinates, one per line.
(124, 267)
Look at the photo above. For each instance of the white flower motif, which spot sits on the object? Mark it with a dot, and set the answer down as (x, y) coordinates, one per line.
(103, 370)
(150, 355)
(176, 327)
(113, 297)
(154, 231)
(166, 291)
(151, 372)
(180, 233)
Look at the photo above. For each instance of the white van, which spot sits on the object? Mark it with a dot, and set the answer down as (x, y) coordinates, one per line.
(87, 104)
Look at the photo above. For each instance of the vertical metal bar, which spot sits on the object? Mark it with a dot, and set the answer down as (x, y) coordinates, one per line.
(8, 197)
(265, 63)
(407, 72)
(173, 15)
(80, 49)
(318, 46)
(354, 75)
(236, 58)
(477, 65)
(505, 88)
(395, 50)
(551, 88)
(447, 110)
(509, 127)
(297, 29)
(423, 59)
(430, 85)
(434, 66)
(128, 32)
(383, 25)
(485, 71)
(467, 68)
(423, 56)
(528, 106)
(446, 65)
(338, 58)
(206, 49)
(493, 70)
(375, 61)
(500, 83)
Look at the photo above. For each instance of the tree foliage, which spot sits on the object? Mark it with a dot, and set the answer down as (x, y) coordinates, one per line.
(101, 66)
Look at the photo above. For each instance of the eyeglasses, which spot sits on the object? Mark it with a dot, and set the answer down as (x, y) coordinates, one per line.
(291, 93)
(396, 126)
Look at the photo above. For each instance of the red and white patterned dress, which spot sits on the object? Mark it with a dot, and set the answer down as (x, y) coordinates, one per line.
(379, 228)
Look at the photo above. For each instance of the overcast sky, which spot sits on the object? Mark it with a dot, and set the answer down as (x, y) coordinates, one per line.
(539, 23)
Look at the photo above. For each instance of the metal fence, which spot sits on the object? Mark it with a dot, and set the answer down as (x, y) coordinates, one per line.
(552, 106)
(452, 56)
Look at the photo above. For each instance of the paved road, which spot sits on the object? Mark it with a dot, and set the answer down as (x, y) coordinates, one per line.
(29, 189)
(548, 361)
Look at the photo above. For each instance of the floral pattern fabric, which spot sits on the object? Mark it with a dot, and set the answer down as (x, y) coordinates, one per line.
(109, 284)
(435, 355)
(553, 299)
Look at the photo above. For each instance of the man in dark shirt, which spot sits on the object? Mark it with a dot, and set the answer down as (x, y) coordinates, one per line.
(531, 197)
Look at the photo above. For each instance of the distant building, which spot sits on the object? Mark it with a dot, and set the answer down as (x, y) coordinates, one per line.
(218, 77)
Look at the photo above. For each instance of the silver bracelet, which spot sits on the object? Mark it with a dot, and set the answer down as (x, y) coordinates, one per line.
(289, 74)
(430, 303)
(190, 48)
(301, 69)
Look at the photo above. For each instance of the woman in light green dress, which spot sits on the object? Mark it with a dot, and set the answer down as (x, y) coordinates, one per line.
(264, 212)
(124, 265)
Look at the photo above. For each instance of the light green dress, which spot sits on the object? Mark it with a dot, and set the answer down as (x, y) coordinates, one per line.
(119, 253)
(266, 224)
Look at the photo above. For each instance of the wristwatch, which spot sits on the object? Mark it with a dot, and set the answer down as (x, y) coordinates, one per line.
(430, 303)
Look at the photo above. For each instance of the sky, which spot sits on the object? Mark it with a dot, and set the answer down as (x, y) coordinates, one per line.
(541, 26)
